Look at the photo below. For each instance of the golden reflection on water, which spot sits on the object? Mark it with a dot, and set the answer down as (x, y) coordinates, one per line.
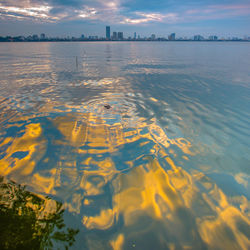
(30, 143)
(161, 195)
(151, 195)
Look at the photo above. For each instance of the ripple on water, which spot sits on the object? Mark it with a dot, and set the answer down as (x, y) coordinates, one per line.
(100, 147)
(88, 160)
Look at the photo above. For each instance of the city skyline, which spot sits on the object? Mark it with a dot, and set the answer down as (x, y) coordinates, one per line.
(119, 36)
(63, 17)
(111, 35)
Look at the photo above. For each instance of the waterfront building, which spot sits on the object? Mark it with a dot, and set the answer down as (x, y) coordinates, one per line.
(42, 36)
(213, 38)
(93, 37)
(171, 37)
(107, 32)
(135, 35)
(198, 38)
(114, 37)
(152, 37)
(120, 35)
(35, 37)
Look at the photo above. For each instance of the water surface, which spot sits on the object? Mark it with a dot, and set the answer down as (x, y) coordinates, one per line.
(165, 166)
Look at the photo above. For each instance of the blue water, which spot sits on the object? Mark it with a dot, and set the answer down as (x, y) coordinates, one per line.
(141, 145)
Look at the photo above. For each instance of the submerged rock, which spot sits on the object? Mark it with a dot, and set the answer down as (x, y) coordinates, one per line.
(107, 106)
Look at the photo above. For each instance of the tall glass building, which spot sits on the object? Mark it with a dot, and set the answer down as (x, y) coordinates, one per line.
(107, 32)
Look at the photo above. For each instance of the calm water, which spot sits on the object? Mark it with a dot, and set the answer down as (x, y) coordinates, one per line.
(125, 145)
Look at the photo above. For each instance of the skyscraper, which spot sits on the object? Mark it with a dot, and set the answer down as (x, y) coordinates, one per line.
(135, 35)
(114, 37)
(120, 35)
(107, 32)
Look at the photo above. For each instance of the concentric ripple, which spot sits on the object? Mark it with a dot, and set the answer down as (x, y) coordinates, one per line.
(122, 109)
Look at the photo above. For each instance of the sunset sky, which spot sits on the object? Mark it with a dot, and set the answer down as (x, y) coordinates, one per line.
(89, 17)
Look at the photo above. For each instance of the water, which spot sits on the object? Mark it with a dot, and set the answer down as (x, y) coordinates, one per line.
(125, 145)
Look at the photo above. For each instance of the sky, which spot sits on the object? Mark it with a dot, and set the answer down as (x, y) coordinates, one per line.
(224, 18)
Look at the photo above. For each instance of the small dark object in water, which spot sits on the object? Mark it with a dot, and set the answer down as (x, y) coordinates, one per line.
(107, 106)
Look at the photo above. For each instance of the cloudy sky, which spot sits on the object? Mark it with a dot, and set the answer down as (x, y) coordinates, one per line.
(161, 17)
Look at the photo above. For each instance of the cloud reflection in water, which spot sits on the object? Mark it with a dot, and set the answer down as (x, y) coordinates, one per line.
(122, 173)
(151, 200)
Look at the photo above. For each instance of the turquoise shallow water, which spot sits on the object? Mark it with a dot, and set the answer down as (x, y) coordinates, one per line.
(165, 166)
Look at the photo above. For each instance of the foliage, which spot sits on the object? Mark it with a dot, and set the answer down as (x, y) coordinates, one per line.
(29, 221)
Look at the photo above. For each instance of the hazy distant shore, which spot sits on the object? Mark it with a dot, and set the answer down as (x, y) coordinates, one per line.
(125, 40)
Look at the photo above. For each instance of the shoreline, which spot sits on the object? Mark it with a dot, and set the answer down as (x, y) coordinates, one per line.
(114, 41)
